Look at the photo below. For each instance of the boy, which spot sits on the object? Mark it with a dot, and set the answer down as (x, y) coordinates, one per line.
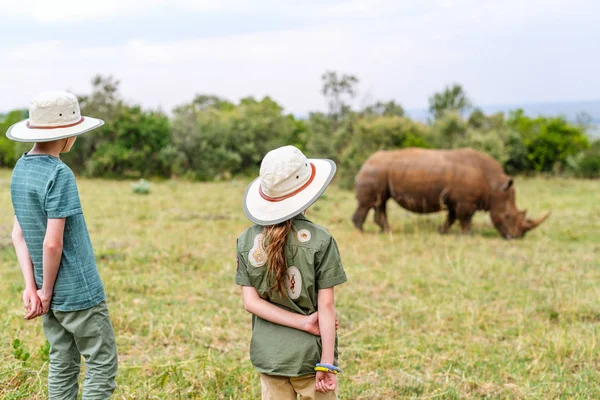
(55, 253)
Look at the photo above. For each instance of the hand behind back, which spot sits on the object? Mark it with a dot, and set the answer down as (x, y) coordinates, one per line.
(45, 299)
(311, 325)
(325, 382)
(33, 304)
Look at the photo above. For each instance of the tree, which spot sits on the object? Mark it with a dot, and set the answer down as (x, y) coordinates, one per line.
(338, 90)
(453, 99)
(128, 144)
(203, 102)
(215, 142)
(389, 109)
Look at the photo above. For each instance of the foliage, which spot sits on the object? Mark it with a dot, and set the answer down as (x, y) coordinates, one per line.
(549, 141)
(141, 187)
(214, 141)
(384, 109)
(449, 129)
(585, 164)
(10, 150)
(19, 351)
(129, 144)
(44, 351)
(453, 99)
(338, 90)
(211, 138)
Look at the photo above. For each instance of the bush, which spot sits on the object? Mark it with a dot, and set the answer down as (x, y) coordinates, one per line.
(10, 151)
(449, 130)
(490, 142)
(549, 141)
(213, 142)
(141, 187)
(586, 164)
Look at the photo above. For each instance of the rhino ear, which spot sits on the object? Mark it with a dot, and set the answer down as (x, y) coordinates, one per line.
(507, 184)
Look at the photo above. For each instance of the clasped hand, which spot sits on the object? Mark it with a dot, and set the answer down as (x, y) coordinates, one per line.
(36, 303)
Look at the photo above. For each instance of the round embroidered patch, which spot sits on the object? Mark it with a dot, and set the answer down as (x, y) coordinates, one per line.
(294, 283)
(304, 235)
(258, 255)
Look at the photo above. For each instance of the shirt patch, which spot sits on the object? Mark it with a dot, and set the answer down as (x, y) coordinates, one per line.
(304, 235)
(294, 283)
(258, 254)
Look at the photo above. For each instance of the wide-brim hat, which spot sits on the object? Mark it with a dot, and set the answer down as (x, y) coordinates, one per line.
(52, 116)
(288, 184)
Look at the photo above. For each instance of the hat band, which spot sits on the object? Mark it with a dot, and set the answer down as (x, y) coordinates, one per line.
(295, 192)
(54, 127)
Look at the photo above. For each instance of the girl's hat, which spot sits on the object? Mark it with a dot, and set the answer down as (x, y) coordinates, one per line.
(52, 116)
(288, 184)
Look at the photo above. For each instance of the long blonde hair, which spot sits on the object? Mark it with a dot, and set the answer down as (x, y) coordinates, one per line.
(275, 239)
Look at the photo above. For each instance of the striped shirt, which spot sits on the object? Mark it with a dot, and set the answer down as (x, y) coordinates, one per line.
(42, 188)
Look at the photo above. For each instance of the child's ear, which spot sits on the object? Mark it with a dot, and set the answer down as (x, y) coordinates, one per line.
(70, 143)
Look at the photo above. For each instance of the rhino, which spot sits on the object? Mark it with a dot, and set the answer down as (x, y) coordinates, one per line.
(461, 181)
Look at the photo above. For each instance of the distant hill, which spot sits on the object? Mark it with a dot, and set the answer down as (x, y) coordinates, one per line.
(569, 110)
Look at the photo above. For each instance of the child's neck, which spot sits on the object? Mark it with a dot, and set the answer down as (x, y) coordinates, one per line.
(51, 148)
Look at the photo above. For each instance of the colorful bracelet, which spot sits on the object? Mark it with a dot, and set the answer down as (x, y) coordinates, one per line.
(327, 368)
(323, 369)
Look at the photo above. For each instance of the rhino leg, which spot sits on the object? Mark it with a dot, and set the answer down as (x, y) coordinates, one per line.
(445, 227)
(360, 215)
(465, 226)
(465, 215)
(381, 216)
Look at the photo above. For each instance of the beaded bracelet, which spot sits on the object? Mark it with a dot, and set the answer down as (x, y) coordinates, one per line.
(327, 368)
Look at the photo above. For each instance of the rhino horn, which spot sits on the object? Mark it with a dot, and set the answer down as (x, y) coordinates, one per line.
(530, 224)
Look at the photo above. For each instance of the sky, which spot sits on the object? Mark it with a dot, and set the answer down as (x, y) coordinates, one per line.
(166, 51)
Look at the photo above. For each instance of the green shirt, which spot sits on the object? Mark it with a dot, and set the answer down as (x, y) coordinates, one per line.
(314, 263)
(43, 188)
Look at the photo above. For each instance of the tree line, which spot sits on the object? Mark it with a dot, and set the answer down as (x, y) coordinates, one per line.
(211, 138)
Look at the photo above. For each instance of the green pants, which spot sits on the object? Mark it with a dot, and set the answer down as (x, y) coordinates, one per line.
(73, 334)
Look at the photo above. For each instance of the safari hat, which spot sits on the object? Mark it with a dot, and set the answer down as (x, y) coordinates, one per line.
(52, 116)
(288, 184)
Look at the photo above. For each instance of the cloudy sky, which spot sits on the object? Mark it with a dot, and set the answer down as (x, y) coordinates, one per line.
(503, 52)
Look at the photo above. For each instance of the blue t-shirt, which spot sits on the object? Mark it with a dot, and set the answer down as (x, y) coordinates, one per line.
(42, 188)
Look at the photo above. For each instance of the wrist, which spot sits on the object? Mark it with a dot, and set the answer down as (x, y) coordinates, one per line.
(46, 292)
(305, 323)
(327, 367)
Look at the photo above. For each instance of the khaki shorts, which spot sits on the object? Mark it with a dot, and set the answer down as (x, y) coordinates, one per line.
(285, 388)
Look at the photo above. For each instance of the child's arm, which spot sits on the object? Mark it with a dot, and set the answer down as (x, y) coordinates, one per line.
(31, 300)
(254, 304)
(53, 246)
(326, 382)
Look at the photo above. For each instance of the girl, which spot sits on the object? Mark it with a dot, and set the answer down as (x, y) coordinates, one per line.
(287, 267)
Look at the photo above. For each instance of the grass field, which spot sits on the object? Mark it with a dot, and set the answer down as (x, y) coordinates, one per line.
(422, 316)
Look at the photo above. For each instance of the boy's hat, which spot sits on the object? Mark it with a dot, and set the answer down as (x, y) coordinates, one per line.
(52, 116)
(288, 184)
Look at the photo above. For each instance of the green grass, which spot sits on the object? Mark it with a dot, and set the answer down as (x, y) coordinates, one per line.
(422, 315)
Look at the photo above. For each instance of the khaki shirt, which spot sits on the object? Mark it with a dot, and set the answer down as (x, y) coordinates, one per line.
(313, 263)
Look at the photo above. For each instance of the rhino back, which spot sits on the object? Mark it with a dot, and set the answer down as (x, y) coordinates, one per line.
(424, 181)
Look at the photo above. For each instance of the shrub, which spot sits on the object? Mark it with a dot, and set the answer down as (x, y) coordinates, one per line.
(212, 142)
(587, 163)
(141, 187)
(549, 141)
(10, 151)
